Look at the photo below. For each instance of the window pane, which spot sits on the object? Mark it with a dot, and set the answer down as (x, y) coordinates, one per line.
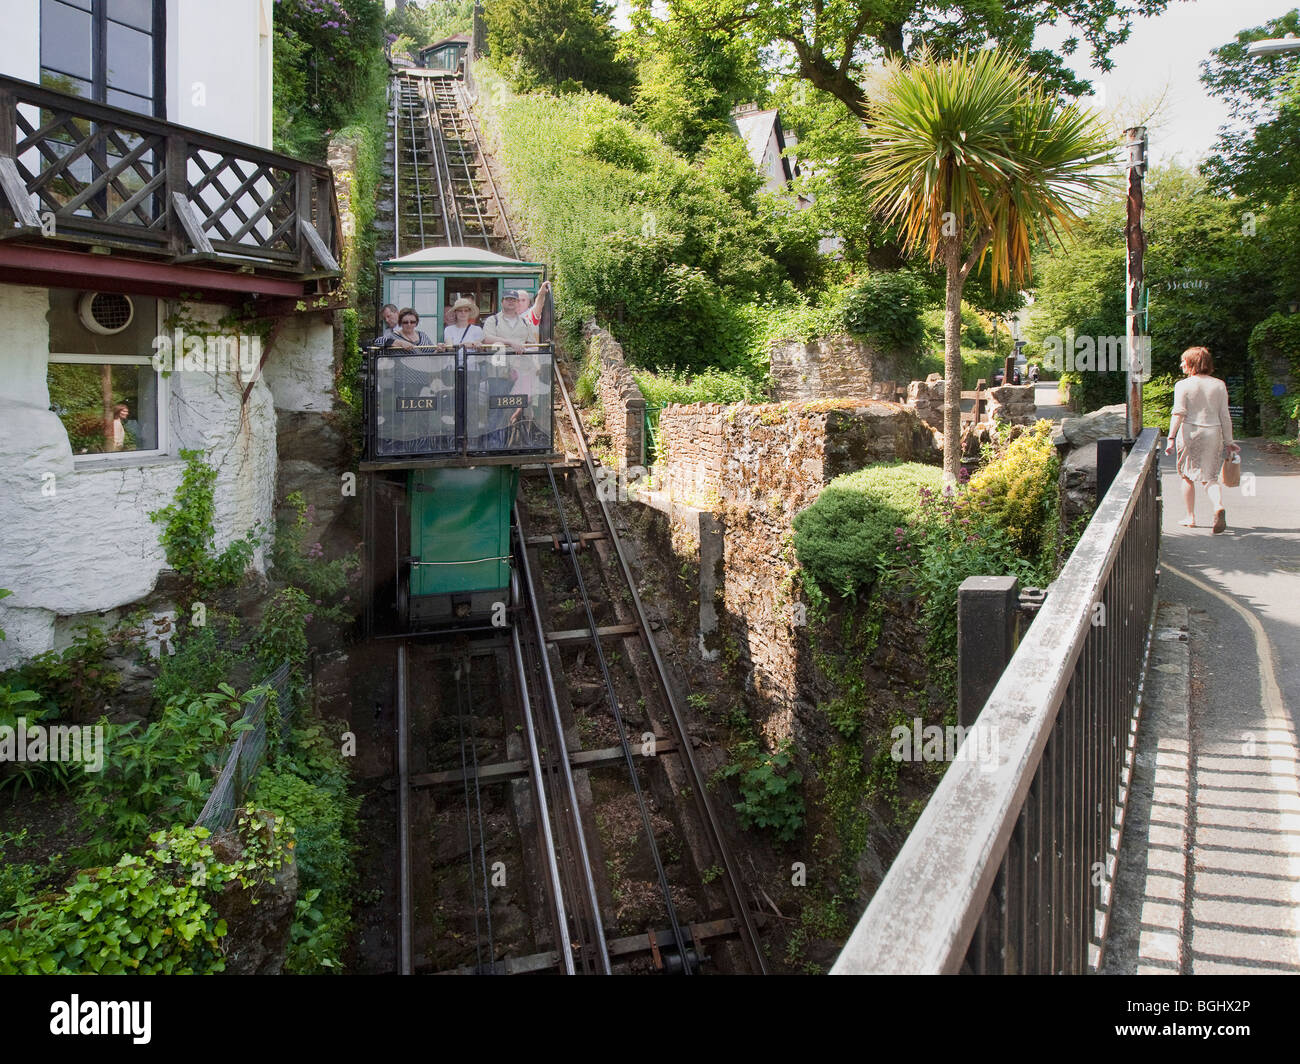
(65, 38)
(137, 13)
(141, 105)
(60, 82)
(106, 408)
(130, 60)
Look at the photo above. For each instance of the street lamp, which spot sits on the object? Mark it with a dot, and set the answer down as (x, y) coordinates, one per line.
(1289, 43)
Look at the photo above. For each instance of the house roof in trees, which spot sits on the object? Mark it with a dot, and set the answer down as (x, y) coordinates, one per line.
(756, 129)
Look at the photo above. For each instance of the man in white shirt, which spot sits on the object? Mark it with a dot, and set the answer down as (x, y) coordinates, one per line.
(510, 327)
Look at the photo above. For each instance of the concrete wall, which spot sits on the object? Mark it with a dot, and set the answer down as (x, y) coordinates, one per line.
(76, 536)
(20, 44)
(219, 67)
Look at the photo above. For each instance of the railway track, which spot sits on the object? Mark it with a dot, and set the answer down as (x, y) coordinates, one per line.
(551, 813)
(444, 194)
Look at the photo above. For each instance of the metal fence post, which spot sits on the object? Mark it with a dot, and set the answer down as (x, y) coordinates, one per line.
(1110, 457)
(986, 639)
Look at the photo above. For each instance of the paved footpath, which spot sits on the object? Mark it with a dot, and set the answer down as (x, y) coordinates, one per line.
(1236, 896)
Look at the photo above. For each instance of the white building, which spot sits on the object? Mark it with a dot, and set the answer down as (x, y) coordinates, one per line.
(138, 201)
(770, 148)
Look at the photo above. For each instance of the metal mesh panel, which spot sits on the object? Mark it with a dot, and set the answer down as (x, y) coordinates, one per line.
(508, 401)
(415, 403)
(246, 755)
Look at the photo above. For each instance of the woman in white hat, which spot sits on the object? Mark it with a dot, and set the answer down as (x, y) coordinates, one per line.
(462, 332)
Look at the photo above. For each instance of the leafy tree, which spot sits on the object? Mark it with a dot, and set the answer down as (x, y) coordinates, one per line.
(973, 156)
(328, 56)
(1210, 283)
(567, 45)
(831, 45)
(688, 81)
(1256, 157)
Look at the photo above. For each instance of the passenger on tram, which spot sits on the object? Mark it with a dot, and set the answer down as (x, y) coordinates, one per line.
(407, 335)
(510, 327)
(463, 332)
(391, 317)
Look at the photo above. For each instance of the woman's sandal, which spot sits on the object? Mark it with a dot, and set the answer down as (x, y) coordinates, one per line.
(1188, 522)
(1220, 521)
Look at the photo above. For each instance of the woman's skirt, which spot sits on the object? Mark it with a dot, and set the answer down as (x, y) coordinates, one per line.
(1200, 453)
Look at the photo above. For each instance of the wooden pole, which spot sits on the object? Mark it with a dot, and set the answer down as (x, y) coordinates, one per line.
(1135, 141)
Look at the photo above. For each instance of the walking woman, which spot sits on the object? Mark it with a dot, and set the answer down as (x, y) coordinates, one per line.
(1203, 429)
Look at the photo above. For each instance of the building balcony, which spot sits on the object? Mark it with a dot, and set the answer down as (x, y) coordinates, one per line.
(100, 197)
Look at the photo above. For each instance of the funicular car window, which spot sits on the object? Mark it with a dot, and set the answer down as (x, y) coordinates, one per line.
(415, 403)
(508, 401)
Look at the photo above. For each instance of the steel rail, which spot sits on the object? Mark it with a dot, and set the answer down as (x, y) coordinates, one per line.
(447, 96)
(443, 185)
(415, 170)
(583, 923)
(403, 817)
(553, 703)
(463, 97)
(473, 811)
(563, 945)
(661, 874)
(731, 876)
(456, 228)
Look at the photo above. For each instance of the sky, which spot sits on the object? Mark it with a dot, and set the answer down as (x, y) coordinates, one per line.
(1167, 51)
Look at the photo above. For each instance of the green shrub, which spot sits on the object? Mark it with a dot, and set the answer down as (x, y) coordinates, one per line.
(324, 821)
(1158, 402)
(302, 565)
(1275, 355)
(1017, 492)
(282, 634)
(189, 534)
(148, 914)
(200, 663)
(888, 306)
(73, 683)
(855, 526)
(768, 786)
(160, 774)
(711, 386)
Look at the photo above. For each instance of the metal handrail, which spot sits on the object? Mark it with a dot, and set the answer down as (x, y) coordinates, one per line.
(999, 873)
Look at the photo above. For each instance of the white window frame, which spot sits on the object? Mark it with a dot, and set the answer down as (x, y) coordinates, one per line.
(164, 402)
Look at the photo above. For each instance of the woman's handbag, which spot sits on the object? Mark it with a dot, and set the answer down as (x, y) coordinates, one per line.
(1231, 475)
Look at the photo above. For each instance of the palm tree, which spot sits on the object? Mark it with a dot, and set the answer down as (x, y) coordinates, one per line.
(972, 156)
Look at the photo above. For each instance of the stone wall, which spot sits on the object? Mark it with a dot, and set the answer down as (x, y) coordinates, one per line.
(620, 397)
(746, 454)
(1013, 404)
(756, 467)
(926, 398)
(832, 367)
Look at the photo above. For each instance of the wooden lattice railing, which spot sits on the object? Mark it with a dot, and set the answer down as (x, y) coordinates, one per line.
(74, 170)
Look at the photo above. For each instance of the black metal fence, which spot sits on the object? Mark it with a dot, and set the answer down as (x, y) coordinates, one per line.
(1009, 868)
(422, 402)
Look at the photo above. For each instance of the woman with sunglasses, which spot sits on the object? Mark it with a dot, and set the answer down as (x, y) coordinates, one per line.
(407, 334)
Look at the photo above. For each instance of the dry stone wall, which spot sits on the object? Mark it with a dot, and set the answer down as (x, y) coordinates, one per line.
(828, 368)
(620, 397)
(758, 466)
